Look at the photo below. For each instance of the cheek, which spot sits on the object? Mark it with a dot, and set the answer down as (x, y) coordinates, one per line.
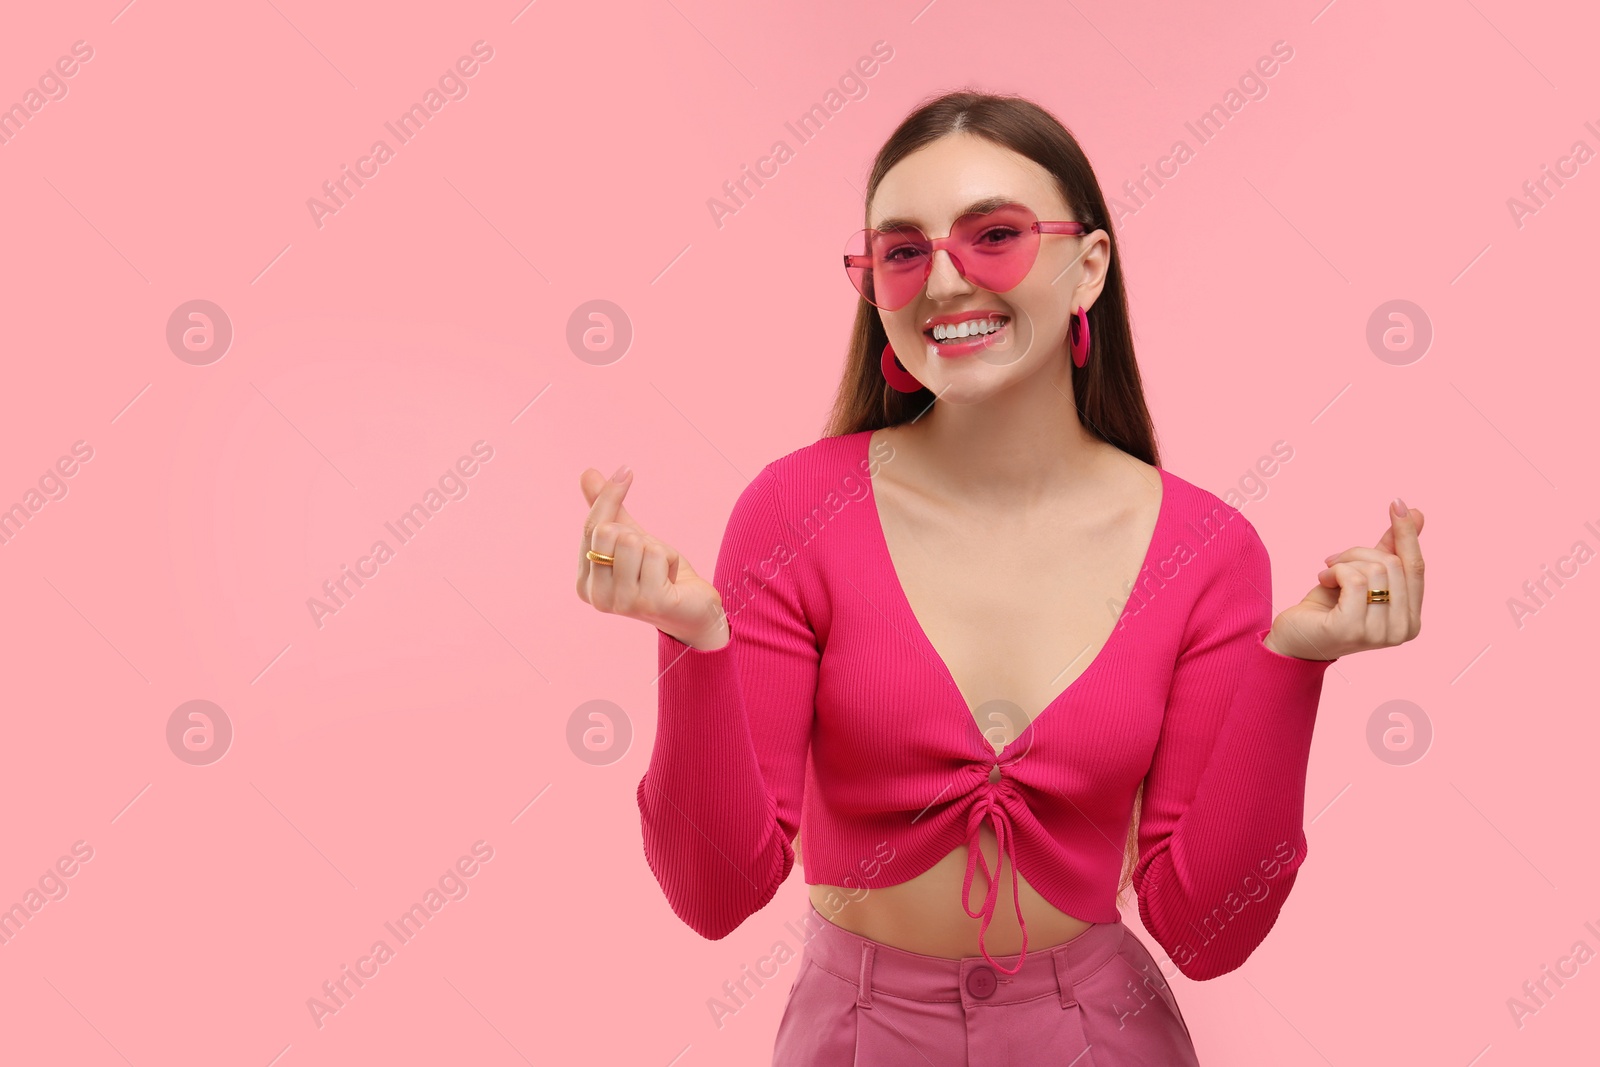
(1058, 269)
(1041, 312)
(1051, 305)
(904, 333)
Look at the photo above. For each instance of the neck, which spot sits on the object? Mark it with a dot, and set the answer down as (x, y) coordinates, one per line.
(1024, 443)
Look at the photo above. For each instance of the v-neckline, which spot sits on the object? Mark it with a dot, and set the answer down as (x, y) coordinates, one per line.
(886, 562)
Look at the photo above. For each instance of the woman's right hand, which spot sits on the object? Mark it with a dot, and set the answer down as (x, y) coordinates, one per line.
(649, 581)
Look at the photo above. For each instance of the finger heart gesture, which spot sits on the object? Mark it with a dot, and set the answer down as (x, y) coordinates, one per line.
(1366, 597)
(624, 570)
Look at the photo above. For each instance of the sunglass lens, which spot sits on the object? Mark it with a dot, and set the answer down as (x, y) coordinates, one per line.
(887, 267)
(997, 248)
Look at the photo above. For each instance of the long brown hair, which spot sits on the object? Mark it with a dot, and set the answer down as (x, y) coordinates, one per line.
(1107, 391)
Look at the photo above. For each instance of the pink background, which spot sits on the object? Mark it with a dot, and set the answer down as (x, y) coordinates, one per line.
(433, 710)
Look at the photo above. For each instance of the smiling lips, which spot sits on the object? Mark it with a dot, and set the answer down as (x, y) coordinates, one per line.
(965, 333)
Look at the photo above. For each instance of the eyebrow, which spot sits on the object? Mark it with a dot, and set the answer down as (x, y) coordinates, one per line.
(985, 205)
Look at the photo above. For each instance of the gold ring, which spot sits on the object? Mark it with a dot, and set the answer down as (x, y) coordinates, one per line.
(1377, 596)
(599, 557)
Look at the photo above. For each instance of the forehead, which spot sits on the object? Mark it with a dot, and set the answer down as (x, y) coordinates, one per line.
(935, 185)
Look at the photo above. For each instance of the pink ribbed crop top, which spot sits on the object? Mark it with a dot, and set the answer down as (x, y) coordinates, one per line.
(826, 659)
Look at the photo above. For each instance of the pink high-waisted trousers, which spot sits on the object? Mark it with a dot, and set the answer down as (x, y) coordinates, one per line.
(1098, 1000)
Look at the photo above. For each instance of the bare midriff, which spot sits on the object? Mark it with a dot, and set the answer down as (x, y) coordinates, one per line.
(924, 914)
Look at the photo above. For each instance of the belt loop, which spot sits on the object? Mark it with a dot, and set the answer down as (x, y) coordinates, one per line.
(864, 987)
(1064, 978)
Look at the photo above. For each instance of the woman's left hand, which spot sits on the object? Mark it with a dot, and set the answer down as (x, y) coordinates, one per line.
(1335, 619)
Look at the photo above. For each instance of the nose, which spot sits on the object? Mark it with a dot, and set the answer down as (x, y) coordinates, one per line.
(944, 281)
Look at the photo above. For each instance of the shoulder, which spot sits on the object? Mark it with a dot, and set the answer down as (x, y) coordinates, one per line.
(803, 489)
(839, 464)
(1210, 526)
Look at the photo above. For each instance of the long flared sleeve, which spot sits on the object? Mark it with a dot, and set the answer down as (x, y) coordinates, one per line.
(719, 803)
(1220, 835)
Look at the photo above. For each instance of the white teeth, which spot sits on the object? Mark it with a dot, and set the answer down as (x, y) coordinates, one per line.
(969, 328)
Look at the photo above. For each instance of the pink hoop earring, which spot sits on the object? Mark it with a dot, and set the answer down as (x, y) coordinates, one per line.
(897, 376)
(1078, 327)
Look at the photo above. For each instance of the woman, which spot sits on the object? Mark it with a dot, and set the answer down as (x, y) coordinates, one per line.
(915, 602)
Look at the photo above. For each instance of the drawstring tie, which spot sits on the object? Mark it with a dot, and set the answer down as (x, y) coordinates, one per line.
(987, 808)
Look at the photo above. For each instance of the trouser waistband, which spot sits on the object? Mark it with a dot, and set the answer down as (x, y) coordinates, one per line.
(875, 967)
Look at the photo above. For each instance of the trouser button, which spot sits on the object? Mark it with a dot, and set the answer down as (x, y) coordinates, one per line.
(980, 982)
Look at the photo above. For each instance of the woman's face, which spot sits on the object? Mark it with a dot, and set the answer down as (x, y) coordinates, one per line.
(932, 188)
